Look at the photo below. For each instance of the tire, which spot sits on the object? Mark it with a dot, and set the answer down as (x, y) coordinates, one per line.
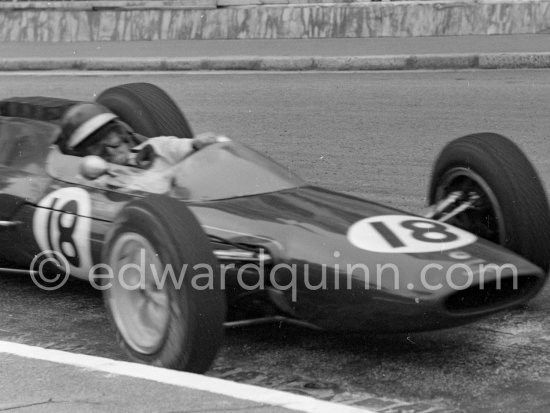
(513, 208)
(147, 109)
(173, 327)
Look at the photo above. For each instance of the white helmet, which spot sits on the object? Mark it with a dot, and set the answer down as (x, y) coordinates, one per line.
(81, 121)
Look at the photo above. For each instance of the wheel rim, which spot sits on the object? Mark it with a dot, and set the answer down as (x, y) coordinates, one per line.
(142, 315)
(485, 218)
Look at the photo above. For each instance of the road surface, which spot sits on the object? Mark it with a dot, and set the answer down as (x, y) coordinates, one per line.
(370, 134)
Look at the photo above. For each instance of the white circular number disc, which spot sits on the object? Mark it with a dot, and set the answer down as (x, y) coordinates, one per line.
(49, 219)
(406, 234)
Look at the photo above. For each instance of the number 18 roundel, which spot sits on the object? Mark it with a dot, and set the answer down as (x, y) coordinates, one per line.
(406, 234)
(61, 226)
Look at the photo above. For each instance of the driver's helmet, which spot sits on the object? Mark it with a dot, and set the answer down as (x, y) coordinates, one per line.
(80, 122)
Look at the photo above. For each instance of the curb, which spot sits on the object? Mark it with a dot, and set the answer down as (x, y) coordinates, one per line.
(287, 63)
(263, 397)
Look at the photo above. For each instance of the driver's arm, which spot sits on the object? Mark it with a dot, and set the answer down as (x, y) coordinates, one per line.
(164, 151)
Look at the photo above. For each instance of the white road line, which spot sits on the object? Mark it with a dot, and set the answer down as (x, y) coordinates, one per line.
(181, 379)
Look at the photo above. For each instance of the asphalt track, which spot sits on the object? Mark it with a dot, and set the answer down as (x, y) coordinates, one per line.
(370, 134)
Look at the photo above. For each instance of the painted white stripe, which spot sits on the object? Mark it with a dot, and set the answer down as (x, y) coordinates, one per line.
(181, 379)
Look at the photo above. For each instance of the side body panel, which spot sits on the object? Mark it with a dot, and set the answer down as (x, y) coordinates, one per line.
(24, 145)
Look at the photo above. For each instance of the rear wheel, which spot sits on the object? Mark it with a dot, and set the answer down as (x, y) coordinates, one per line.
(165, 298)
(510, 208)
(147, 109)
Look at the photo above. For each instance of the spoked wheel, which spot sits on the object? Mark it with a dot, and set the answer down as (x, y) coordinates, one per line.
(164, 297)
(485, 184)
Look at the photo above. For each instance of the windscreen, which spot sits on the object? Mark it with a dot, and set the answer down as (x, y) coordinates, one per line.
(227, 170)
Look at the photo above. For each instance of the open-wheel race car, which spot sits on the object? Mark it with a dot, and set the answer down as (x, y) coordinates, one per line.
(239, 238)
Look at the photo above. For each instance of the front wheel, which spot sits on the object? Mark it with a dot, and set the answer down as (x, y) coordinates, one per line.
(165, 298)
(510, 207)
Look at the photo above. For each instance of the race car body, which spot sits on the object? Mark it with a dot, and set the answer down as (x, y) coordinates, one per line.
(245, 199)
(283, 247)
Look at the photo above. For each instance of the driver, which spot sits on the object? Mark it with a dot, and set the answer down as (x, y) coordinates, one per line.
(91, 129)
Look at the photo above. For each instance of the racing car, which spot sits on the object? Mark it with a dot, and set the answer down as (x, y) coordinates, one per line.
(256, 241)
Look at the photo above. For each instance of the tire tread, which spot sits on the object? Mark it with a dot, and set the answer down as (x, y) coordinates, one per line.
(516, 184)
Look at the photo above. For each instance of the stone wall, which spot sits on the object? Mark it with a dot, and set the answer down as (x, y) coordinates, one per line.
(86, 21)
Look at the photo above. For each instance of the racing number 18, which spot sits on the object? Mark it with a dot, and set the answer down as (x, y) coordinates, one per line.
(420, 230)
(65, 220)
